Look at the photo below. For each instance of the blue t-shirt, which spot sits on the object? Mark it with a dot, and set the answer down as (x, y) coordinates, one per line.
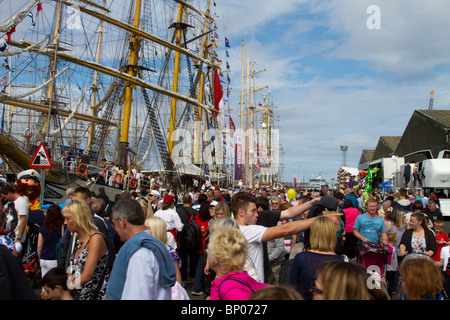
(370, 228)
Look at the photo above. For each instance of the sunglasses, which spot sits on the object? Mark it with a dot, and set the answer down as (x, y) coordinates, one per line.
(316, 290)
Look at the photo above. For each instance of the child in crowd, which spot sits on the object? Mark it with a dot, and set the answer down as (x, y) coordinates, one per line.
(441, 238)
(392, 273)
(54, 285)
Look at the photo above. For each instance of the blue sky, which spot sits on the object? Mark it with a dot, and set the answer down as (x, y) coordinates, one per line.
(335, 81)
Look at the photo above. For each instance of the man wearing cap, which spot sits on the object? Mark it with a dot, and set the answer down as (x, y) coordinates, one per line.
(153, 198)
(16, 212)
(170, 216)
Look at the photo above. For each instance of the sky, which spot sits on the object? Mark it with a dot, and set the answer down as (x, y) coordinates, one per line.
(340, 73)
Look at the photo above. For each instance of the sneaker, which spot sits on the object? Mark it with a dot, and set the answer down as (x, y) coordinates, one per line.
(197, 293)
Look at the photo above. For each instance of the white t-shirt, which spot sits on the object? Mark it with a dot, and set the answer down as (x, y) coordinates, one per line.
(253, 234)
(142, 282)
(22, 208)
(171, 218)
(445, 254)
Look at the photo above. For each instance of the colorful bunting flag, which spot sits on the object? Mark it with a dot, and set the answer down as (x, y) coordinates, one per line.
(227, 42)
(30, 14)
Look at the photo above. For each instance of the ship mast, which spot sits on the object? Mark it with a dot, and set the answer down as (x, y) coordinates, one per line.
(134, 49)
(176, 71)
(52, 71)
(94, 109)
(201, 88)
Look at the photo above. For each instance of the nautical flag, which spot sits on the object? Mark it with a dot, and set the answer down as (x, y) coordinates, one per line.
(227, 42)
(218, 94)
(10, 32)
(213, 136)
(30, 14)
(228, 78)
(227, 54)
(228, 65)
(4, 80)
(3, 44)
(218, 100)
(39, 6)
(232, 126)
(5, 64)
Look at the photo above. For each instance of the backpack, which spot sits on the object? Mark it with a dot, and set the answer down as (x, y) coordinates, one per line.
(191, 236)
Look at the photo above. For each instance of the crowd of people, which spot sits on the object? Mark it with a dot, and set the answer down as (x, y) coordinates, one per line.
(230, 244)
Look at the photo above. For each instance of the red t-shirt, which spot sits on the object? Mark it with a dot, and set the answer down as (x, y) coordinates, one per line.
(204, 229)
(440, 237)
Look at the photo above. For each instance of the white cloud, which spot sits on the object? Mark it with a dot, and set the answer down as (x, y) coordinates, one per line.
(336, 82)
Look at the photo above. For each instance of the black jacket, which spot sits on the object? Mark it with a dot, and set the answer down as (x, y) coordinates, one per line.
(430, 240)
(14, 285)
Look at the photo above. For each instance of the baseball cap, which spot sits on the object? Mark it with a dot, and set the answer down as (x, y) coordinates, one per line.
(168, 198)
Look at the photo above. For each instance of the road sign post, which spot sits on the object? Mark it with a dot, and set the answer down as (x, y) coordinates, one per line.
(41, 160)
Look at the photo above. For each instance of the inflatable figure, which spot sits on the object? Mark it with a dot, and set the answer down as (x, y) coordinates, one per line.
(29, 185)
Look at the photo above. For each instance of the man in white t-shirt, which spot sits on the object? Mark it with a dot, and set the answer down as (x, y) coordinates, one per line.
(16, 208)
(245, 212)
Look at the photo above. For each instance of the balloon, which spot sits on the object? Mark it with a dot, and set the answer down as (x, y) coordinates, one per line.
(290, 194)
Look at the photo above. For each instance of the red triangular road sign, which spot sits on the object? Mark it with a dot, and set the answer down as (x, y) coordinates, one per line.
(41, 159)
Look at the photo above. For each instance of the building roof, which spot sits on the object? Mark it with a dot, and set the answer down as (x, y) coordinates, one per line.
(440, 116)
(391, 142)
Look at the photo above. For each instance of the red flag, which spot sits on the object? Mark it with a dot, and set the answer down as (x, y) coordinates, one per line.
(218, 94)
(232, 126)
(39, 6)
(10, 32)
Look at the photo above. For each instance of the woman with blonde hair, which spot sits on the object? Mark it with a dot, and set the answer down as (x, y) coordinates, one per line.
(398, 226)
(221, 210)
(157, 228)
(89, 259)
(227, 251)
(322, 243)
(339, 280)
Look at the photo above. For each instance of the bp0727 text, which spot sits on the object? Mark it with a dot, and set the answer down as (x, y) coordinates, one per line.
(250, 309)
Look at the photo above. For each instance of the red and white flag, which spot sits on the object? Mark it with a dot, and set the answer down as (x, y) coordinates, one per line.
(218, 101)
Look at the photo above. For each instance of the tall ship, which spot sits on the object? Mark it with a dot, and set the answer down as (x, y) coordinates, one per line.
(112, 88)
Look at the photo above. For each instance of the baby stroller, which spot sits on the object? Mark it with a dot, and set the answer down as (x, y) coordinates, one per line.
(374, 257)
(30, 261)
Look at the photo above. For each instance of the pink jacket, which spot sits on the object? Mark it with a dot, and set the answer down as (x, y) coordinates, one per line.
(350, 218)
(234, 286)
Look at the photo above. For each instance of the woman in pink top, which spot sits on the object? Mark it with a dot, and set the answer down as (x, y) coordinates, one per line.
(350, 241)
(227, 251)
